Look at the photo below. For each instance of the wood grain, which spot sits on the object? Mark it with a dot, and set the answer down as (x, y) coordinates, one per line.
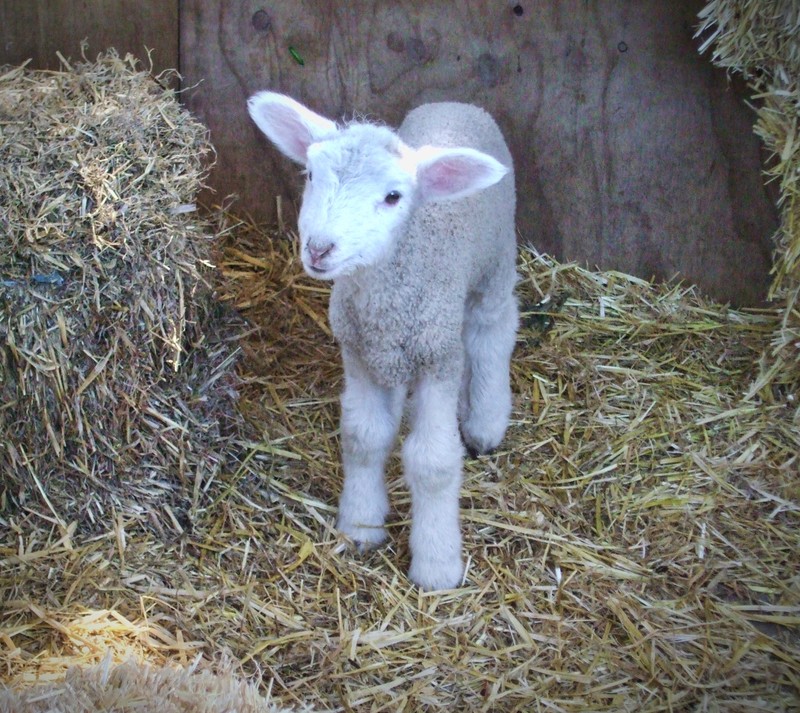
(36, 29)
(631, 152)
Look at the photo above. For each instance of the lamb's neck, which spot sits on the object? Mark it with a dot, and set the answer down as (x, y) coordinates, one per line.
(369, 279)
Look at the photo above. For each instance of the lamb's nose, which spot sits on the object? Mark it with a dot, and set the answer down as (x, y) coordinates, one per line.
(317, 253)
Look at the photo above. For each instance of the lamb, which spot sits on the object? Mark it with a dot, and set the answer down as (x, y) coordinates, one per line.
(416, 230)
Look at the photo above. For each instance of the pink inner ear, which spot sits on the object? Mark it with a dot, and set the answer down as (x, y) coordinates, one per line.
(450, 175)
(456, 175)
(293, 132)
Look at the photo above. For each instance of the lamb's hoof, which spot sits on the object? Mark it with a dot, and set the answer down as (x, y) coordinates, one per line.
(433, 575)
(480, 436)
(474, 451)
(477, 446)
(364, 537)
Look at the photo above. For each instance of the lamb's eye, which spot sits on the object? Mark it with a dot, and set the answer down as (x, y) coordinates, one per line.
(308, 176)
(392, 197)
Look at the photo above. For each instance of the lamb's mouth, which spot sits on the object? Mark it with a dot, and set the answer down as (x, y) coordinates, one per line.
(331, 272)
(321, 273)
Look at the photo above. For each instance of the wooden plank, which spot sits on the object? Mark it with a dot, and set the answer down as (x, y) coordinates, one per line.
(36, 29)
(631, 151)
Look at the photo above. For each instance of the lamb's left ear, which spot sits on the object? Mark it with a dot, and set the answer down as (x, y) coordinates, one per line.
(291, 126)
(447, 174)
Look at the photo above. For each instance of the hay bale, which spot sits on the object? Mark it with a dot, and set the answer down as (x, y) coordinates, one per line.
(113, 362)
(139, 688)
(758, 38)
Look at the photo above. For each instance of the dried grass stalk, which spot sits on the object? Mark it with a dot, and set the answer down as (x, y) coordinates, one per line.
(114, 370)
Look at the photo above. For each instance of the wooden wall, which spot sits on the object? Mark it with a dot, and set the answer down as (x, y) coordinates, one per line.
(36, 29)
(631, 151)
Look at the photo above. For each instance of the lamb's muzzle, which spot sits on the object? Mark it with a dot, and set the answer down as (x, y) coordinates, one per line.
(317, 253)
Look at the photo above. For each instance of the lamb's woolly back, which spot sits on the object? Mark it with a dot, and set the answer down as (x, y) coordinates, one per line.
(450, 124)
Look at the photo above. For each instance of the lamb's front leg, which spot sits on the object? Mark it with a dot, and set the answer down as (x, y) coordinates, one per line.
(370, 421)
(432, 457)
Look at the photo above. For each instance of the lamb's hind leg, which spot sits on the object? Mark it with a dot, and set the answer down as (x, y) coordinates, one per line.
(370, 420)
(432, 455)
(489, 335)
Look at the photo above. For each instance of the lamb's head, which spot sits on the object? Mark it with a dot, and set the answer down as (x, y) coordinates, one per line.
(359, 194)
(362, 182)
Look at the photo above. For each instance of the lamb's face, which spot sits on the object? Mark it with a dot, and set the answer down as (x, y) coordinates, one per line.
(359, 194)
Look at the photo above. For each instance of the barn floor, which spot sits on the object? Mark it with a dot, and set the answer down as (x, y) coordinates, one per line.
(633, 546)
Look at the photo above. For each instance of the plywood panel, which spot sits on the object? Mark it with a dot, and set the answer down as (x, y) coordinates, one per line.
(631, 151)
(36, 29)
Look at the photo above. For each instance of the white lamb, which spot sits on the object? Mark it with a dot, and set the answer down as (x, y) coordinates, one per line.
(416, 228)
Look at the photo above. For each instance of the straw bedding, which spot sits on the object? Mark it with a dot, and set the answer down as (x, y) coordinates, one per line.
(632, 546)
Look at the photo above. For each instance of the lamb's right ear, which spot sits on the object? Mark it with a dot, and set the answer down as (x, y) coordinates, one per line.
(288, 124)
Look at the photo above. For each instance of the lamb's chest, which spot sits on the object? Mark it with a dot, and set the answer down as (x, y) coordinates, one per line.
(395, 342)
